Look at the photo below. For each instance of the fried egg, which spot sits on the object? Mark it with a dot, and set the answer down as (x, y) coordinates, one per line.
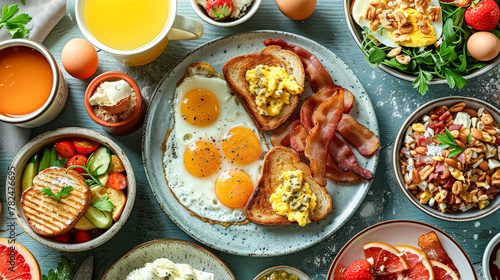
(213, 155)
(386, 34)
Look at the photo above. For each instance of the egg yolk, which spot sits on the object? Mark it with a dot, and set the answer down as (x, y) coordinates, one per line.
(199, 107)
(417, 37)
(233, 188)
(241, 145)
(202, 159)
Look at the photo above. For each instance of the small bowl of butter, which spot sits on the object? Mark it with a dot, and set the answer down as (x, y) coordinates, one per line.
(282, 272)
(491, 259)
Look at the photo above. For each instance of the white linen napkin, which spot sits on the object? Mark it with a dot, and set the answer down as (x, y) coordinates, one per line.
(45, 15)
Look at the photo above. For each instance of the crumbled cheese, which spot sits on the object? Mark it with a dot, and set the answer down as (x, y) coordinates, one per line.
(431, 202)
(422, 185)
(411, 162)
(474, 121)
(434, 150)
(426, 118)
(493, 163)
(474, 155)
(480, 112)
(409, 139)
(464, 207)
(412, 146)
(475, 165)
(409, 131)
(429, 133)
(489, 151)
(442, 206)
(463, 119)
(450, 168)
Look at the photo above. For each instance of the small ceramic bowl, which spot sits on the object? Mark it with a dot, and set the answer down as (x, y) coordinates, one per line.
(288, 269)
(128, 125)
(399, 232)
(490, 249)
(14, 189)
(458, 216)
(200, 11)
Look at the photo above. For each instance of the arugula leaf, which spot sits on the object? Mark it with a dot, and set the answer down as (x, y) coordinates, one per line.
(64, 271)
(421, 82)
(63, 192)
(447, 141)
(376, 56)
(104, 204)
(455, 152)
(15, 25)
(454, 78)
(449, 34)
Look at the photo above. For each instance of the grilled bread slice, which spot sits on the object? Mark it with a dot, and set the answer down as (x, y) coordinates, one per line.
(47, 216)
(235, 74)
(258, 208)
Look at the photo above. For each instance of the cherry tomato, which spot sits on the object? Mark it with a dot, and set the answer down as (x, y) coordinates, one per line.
(117, 181)
(82, 236)
(84, 146)
(65, 149)
(63, 237)
(77, 160)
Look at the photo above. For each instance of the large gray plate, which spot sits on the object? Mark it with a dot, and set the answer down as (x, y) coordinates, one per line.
(251, 239)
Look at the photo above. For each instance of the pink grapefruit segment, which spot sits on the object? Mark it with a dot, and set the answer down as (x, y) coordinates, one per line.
(443, 272)
(385, 259)
(419, 264)
(17, 264)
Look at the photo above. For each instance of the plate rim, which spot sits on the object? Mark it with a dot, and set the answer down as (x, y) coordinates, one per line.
(330, 270)
(168, 240)
(214, 246)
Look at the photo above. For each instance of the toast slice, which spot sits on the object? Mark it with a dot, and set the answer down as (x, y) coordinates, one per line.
(235, 74)
(47, 216)
(258, 208)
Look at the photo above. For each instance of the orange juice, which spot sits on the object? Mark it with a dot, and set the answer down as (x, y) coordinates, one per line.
(126, 24)
(26, 80)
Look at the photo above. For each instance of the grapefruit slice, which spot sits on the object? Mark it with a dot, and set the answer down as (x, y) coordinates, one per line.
(17, 263)
(420, 266)
(385, 259)
(395, 276)
(443, 272)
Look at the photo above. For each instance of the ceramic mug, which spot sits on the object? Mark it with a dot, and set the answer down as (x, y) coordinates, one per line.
(177, 27)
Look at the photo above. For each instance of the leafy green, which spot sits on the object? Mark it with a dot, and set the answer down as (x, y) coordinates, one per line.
(104, 204)
(376, 56)
(447, 141)
(64, 271)
(15, 25)
(93, 177)
(62, 193)
(60, 163)
(421, 82)
(23, 2)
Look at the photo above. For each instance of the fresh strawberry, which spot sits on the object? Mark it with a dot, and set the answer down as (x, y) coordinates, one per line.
(359, 270)
(220, 9)
(483, 16)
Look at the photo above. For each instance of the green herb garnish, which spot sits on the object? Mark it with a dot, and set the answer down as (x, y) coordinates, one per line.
(63, 192)
(447, 141)
(15, 25)
(104, 204)
(64, 271)
(87, 171)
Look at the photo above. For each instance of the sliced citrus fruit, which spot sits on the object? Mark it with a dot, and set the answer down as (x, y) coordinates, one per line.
(385, 259)
(420, 266)
(395, 276)
(443, 272)
(17, 263)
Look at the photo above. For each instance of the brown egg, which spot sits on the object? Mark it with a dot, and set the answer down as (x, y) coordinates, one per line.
(483, 46)
(296, 9)
(79, 58)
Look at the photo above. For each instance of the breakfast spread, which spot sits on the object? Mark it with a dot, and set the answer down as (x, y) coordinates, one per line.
(384, 261)
(113, 101)
(73, 190)
(225, 9)
(450, 158)
(166, 269)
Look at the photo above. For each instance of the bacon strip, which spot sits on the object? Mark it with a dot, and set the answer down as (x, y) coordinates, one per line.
(348, 101)
(346, 159)
(318, 76)
(312, 103)
(358, 135)
(298, 139)
(281, 136)
(333, 172)
(431, 245)
(326, 118)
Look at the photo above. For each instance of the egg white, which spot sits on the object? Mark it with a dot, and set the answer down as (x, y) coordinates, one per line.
(383, 35)
(198, 194)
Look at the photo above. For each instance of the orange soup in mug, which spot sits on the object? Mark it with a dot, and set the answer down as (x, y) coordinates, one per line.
(26, 81)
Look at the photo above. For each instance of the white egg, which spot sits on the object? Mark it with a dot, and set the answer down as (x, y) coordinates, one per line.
(382, 36)
(198, 193)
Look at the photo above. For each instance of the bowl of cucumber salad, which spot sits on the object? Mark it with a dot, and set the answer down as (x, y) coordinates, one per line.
(71, 189)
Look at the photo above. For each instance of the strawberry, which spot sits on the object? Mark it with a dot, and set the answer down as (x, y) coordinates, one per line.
(219, 9)
(483, 16)
(359, 270)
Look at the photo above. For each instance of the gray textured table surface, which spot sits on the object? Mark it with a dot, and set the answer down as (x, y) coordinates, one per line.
(393, 100)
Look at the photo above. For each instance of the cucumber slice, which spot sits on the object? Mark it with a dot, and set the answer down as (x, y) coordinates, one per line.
(30, 171)
(45, 161)
(100, 219)
(101, 161)
(84, 224)
(53, 156)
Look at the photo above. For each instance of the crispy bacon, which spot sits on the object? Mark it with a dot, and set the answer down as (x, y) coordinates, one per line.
(455, 127)
(326, 119)
(438, 125)
(440, 171)
(348, 101)
(298, 139)
(358, 135)
(423, 160)
(318, 76)
(431, 245)
(424, 141)
(346, 159)
(312, 103)
(336, 174)
(281, 136)
(461, 157)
